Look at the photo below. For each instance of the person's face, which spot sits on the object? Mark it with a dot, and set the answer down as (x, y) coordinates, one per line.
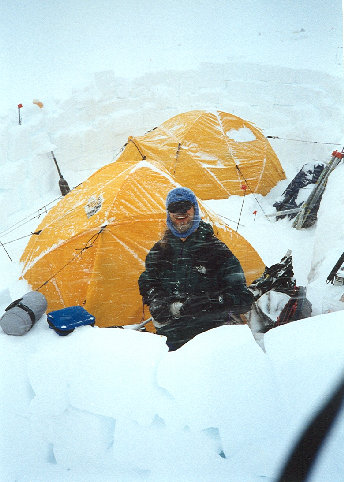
(183, 221)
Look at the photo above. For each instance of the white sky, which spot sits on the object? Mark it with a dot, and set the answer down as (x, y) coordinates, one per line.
(46, 48)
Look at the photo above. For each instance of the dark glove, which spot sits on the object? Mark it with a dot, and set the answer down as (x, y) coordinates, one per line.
(196, 304)
(160, 310)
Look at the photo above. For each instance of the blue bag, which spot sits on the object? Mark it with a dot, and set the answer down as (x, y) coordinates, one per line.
(66, 320)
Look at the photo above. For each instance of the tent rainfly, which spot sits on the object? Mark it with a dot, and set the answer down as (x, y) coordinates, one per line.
(214, 154)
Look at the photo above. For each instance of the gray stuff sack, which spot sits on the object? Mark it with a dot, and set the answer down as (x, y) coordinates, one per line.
(22, 314)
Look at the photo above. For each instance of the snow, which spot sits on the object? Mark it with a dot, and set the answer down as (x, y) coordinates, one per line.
(115, 405)
(107, 401)
(241, 135)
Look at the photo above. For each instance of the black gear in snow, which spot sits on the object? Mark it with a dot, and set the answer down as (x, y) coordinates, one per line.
(308, 174)
(279, 277)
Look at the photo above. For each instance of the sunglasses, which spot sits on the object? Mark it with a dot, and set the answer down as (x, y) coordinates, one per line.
(179, 207)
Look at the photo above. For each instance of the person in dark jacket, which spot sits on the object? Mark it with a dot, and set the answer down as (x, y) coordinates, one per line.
(192, 281)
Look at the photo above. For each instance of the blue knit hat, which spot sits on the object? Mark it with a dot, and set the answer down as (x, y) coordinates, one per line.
(182, 194)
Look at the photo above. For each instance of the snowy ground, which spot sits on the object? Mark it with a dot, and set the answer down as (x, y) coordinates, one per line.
(114, 405)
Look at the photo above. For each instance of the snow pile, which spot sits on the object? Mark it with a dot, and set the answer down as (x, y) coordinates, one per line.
(111, 404)
(328, 245)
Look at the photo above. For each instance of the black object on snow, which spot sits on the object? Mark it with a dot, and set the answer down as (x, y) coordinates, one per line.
(279, 277)
(304, 454)
(308, 213)
(63, 184)
(276, 280)
(332, 276)
(297, 308)
(308, 174)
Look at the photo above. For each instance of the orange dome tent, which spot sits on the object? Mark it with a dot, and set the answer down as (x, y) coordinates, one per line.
(92, 245)
(213, 154)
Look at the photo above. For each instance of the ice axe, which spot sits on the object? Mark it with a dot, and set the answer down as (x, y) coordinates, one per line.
(64, 188)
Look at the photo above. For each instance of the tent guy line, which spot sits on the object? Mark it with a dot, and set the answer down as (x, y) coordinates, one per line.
(303, 140)
(244, 189)
(42, 210)
(22, 237)
(92, 240)
(6, 251)
(39, 215)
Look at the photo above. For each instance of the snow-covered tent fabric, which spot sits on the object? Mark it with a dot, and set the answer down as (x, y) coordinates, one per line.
(92, 245)
(214, 154)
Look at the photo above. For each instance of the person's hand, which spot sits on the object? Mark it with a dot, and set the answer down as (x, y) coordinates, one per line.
(175, 309)
(160, 310)
(200, 303)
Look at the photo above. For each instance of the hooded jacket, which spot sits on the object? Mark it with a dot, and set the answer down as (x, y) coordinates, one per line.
(200, 272)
